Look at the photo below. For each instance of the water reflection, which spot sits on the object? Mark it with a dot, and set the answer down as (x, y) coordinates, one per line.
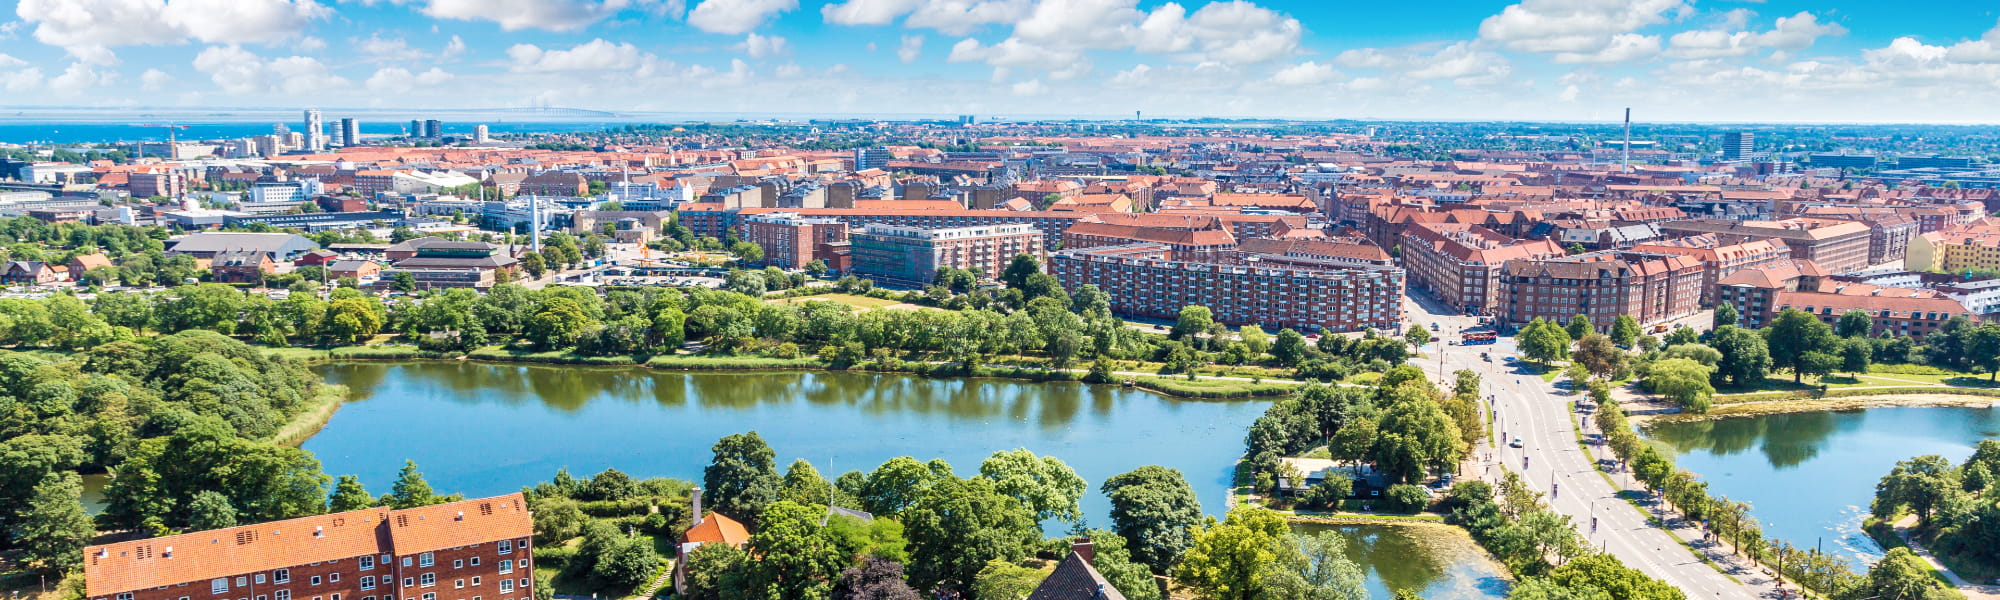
(492, 428)
(1436, 562)
(1818, 470)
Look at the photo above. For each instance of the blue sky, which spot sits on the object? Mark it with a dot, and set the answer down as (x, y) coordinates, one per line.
(1679, 60)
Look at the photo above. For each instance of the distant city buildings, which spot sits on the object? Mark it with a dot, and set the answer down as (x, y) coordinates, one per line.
(350, 132)
(912, 255)
(1738, 145)
(315, 131)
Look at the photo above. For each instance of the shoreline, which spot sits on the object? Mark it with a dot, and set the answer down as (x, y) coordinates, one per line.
(307, 423)
(1803, 405)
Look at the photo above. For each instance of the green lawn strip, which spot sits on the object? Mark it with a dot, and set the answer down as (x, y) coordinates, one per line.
(1214, 388)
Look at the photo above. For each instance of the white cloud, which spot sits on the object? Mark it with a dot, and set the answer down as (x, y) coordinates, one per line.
(89, 29)
(1579, 27)
(515, 15)
(1013, 53)
(78, 77)
(1137, 76)
(1032, 87)
(736, 17)
(9, 62)
(24, 80)
(380, 49)
(452, 48)
(1568, 94)
(1795, 32)
(239, 71)
(1986, 49)
(911, 48)
(953, 17)
(760, 46)
(398, 80)
(1053, 34)
(1305, 73)
(1623, 47)
(595, 55)
(867, 12)
(309, 44)
(1460, 62)
(154, 80)
(789, 70)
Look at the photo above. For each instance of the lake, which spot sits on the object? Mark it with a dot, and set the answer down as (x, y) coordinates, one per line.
(483, 428)
(1437, 562)
(1810, 476)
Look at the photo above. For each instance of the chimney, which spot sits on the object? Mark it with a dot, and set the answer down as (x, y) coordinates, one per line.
(169, 553)
(461, 515)
(319, 531)
(1083, 549)
(694, 507)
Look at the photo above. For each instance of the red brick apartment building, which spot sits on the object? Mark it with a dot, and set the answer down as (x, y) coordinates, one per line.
(1895, 311)
(1718, 260)
(715, 220)
(1459, 263)
(1600, 286)
(467, 550)
(1145, 280)
(790, 241)
(1837, 246)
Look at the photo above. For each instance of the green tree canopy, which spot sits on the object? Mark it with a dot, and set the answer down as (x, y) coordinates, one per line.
(742, 478)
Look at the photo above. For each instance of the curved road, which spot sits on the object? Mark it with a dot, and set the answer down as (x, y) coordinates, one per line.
(1531, 409)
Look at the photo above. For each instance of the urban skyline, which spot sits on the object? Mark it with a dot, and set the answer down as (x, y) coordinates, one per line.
(1556, 60)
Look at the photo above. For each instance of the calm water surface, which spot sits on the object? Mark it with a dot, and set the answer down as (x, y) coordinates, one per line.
(1436, 562)
(1810, 476)
(493, 428)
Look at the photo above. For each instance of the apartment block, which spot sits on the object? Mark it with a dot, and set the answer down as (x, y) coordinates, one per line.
(1649, 287)
(1144, 280)
(790, 241)
(468, 550)
(1459, 264)
(1718, 260)
(1896, 311)
(912, 255)
(1837, 246)
(1957, 249)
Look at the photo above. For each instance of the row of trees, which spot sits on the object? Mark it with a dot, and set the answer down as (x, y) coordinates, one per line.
(932, 530)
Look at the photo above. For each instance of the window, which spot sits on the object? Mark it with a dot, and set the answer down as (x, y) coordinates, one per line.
(474, 561)
(506, 566)
(458, 564)
(406, 561)
(219, 585)
(427, 579)
(281, 595)
(409, 582)
(125, 596)
(458, 584)
(506, 586)
(368, 583)
(524, 582)
(367, 562)
(426, 559)
(315, 580)
(386, 561)
(260, 578)
(431, 596)
(333, 577)
(506, 546)
(281, 576)
(475, 582)
(242, 581)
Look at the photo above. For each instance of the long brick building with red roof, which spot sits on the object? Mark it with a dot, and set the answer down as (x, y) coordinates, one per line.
(467, 550)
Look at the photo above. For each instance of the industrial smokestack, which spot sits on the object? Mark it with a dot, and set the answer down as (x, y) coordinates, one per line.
(1626, 160)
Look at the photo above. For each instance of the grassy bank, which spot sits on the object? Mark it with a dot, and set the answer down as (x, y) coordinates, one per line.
(1851, 393)
(1213, 388)
(308, 422)
(1916, 397)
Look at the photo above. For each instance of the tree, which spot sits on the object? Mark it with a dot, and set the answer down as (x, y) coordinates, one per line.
(1853, 323)
(1290, 347)
(1543, 342)
(1682, 334)
(1745, 360)
(1725, 314)
(959, 525)
(210, 510)
(402, 281)
(1902, 575)
(742, 478)
(627, 564)
(794, 556)
(1684, 381)
(1605, 573)
(874, 579)
(411, 491)
(1232, 560)
(349, 320)
(1154, 509)
(1191, 323)
(52, 528)
(707, 567)
(1982, 349)
(1793, 335)
(1255, 339)
(1598, 355)
(1018, 270)
(348, 494)
(1922, 484)
(534, 264)
(559, 324)
(1579, 326)
(804, 485)
(1415, 435)
(1316, 568)
(1625, 331)
(898, 483)
(1855, 354)
(747, 252)
(1049, 488)
(1002, 580)
(1417, 336)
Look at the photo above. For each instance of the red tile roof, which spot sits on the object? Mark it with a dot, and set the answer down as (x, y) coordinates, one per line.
(718, 528)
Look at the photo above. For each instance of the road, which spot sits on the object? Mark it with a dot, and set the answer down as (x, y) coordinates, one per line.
(1533, 410)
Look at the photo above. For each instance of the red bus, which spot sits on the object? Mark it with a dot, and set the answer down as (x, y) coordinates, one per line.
(1478, 337)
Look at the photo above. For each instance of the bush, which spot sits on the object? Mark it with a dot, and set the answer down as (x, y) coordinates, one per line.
(1328, 494)
(554, 556)
(1405, 497)
(606, 509)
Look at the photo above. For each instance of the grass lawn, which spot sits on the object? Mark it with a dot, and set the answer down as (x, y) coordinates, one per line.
(860, 302)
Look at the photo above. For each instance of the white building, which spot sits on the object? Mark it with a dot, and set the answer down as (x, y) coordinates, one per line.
(418, 182)
(53, 172)
(479, 134)
(315, 131)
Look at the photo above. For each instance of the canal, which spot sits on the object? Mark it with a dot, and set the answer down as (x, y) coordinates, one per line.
(1810, 476)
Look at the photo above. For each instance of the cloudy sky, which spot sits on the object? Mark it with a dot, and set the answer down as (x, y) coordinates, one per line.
(1681, 60)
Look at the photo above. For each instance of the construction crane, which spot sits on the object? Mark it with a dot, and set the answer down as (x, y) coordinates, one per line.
(171, 143)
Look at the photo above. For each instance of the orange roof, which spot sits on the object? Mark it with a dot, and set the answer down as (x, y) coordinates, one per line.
(204, 555)
(718, 528)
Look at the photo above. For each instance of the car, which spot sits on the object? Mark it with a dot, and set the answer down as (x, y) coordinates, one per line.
(1434, 326)
(1516, 443)
(1485, 357)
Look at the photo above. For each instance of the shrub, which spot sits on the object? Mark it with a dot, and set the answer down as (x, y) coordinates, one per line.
(1405, 497)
